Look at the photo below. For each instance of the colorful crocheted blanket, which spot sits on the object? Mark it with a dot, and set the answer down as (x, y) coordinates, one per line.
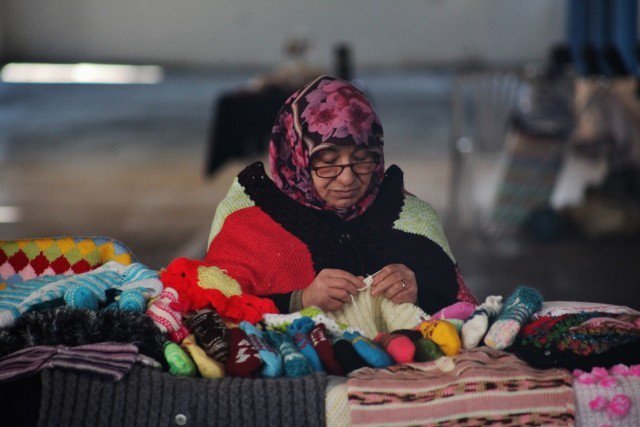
(583, 334)
(26, 259)
(485, 387)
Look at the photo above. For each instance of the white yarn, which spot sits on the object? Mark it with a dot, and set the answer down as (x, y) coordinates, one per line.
(377, 314)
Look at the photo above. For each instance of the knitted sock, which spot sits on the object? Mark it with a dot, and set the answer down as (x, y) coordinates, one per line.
(295, 364)
(132, 300)
(348, 357)
(444, 334)
(459, 310)
(179, 362)
(270, 357)
(518, 308)
(165, 313)
(368, 350)
(208, 367)
(477, 325)
(243, 360)
(79, 296)
(299, 330)
(325, 350)
(211, 333)
(427, 350)
(399, 347)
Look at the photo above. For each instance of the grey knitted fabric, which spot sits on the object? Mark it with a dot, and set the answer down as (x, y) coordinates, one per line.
(150, 397)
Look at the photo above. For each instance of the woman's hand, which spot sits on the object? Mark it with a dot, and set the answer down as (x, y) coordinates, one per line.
(330, 289)
(397, 283)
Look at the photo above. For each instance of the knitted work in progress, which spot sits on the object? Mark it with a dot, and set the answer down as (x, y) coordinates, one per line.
(517, 310)
(26, 259)
(485, 387)
(290, 243)
(375, 314)
(151, 397)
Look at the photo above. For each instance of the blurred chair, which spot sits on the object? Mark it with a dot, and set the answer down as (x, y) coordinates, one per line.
(481, 105)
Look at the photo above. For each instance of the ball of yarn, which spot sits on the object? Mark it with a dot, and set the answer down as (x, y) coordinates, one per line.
(80, 297)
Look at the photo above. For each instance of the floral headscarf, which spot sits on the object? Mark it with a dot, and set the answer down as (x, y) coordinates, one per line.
(325, 113)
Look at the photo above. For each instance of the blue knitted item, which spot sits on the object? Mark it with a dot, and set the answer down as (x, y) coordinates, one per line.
(18, 298)
(295, 364)
(80, 297)
(299, 331)
(368, 350)
(132, 300)
(272, 360)
(517, 310)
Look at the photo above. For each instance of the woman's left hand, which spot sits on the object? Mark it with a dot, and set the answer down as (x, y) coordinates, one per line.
(397, 283)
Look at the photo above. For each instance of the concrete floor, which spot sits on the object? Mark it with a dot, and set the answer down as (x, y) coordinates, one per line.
(127, 162)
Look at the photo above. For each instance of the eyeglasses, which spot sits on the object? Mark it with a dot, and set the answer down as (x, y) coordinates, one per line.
(360, 168)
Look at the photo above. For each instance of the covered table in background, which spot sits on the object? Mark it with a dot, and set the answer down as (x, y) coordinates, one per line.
(241, 124)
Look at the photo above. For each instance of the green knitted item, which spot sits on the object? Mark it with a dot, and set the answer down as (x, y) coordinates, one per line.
(179, 362)
(426, 350)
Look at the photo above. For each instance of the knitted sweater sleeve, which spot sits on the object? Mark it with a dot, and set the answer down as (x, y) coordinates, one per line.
(419, 218)
(255, 250)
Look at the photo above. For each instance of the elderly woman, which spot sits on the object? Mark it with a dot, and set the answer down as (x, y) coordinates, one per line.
(331, 214)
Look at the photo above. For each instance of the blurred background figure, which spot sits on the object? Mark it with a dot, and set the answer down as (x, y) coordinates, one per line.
(516, 120)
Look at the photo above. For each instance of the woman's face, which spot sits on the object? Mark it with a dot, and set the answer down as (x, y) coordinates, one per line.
(348, 187)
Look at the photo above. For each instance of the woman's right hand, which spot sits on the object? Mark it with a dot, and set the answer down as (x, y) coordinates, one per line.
(331, 289)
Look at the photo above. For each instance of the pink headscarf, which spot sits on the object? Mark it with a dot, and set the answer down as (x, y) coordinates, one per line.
(327, 112)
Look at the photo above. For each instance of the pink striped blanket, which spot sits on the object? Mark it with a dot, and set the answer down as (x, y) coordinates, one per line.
(485, 387)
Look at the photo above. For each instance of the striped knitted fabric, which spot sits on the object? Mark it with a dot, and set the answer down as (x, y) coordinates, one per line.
(485, 387)
(17, 298)
(26, 259)
(112, 360)
(151, 397)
